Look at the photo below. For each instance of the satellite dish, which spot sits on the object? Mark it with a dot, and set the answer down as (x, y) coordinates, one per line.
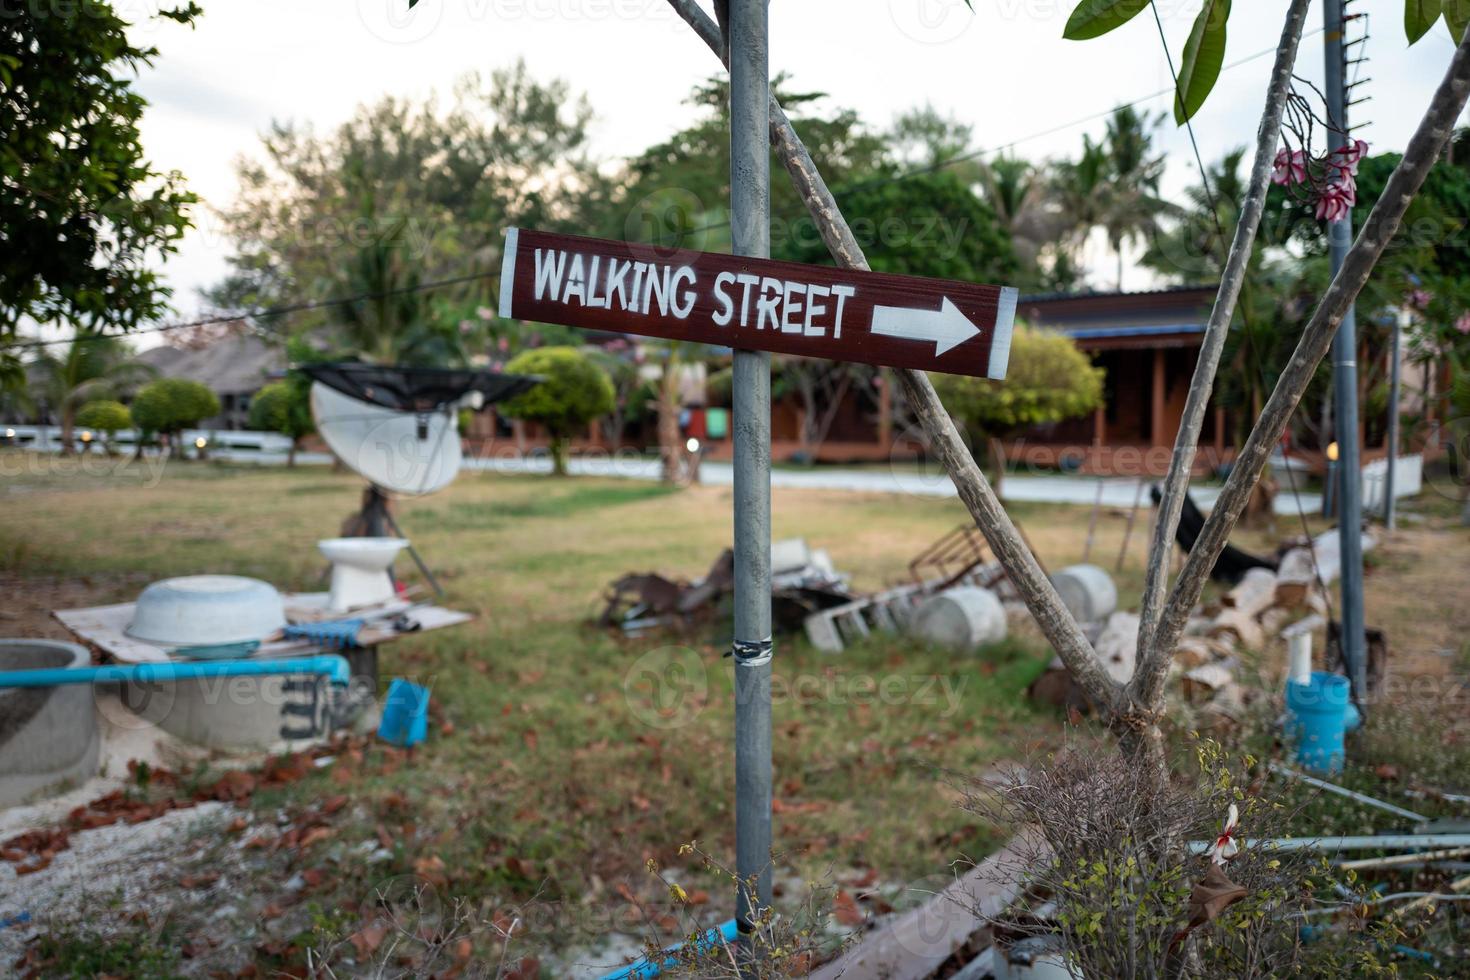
(397, 426)
(410, 453)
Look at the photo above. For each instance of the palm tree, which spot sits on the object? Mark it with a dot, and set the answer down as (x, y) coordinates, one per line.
(1027, 203)
(1079, 187)
(1194, 246)
(1130, 206)
(93, 365)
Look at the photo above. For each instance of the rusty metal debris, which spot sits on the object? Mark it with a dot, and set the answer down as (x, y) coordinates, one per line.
(803, 581)
(807, 592)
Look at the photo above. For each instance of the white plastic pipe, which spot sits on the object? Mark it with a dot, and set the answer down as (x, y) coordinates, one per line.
(1299, 657)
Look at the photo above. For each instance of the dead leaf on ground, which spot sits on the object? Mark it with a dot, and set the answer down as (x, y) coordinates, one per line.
(367, 940)
(845, 910)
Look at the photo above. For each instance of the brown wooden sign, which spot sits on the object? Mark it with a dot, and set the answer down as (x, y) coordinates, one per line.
(757, 304)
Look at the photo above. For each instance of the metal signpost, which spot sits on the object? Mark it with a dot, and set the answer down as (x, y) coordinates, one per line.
(747, 29)
(750, 303)
(1345, 393)
(754, 305)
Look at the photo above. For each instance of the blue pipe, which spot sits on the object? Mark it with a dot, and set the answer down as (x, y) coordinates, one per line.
(723, 933)
(331, 666)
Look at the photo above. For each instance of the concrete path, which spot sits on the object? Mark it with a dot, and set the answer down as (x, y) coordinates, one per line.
(918, 482)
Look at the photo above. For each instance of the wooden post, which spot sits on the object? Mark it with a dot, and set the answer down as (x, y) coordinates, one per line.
(1100, 426)
(885, 409)
(1158, 434)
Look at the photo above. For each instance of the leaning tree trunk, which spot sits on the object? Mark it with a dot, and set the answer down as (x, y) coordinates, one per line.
(1135, 711)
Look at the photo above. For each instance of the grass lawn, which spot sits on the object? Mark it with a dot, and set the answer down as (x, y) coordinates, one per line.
(564, 758)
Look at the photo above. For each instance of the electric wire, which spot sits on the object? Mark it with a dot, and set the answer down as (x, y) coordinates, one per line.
(307, 305)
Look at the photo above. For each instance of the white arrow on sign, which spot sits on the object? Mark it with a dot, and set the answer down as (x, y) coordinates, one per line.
(946, 326)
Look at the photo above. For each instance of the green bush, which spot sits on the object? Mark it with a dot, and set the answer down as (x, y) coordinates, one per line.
(575, 391)
(1048, 379)
(284, 407)
(105, 416)
(171, 405)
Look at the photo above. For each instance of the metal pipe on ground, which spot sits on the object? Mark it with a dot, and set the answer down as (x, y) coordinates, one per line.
(1402, 860)
(1365, 842)
(1362, 798)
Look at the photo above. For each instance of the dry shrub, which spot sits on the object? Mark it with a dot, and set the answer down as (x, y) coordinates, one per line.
(404, 931)
(1105, 865)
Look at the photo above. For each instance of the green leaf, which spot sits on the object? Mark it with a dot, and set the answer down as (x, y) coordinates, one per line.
(1457, 15)
(1419, 17)
(1094, 18)
(1204, 53)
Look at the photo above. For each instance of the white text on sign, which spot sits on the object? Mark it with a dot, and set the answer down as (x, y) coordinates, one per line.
(743, 299)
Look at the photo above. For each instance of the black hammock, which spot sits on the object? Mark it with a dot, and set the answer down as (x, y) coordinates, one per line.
(1232, 564)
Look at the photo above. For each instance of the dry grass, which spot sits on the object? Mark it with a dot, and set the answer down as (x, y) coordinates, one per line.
(545, 777)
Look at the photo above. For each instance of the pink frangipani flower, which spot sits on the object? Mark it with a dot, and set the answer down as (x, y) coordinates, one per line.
(1290, 167)
(1346, 157)
(1335, 202)
(1463, 323)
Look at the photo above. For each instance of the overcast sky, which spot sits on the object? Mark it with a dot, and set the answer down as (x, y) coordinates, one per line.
(1004, 68)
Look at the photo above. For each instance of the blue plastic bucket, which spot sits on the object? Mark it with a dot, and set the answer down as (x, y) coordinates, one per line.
(1319, 714)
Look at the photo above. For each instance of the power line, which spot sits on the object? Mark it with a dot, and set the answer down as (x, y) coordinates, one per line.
(300, 307)
(307, 305)
(1002, 147)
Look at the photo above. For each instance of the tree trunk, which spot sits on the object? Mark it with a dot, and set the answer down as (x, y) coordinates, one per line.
(998, 459)
(291, 455)
(68, 426)
(558, 447)
(669, 449)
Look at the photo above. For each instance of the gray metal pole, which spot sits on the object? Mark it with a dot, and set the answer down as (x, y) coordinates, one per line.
(750, 214)
(1393, 425)
(1345, 380)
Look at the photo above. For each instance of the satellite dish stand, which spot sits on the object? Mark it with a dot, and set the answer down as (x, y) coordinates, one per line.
(375, 520)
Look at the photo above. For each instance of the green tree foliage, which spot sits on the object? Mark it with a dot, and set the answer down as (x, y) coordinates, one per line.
(403, 193)
(575, 391)
(677, 192)
(91, 366)
(284, 407)
(929, 224)
(1426, 266)
(1431, 242)
(1049, 379)
(81, 211)
(170, 405)
(1274, 299)
(105, 416)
